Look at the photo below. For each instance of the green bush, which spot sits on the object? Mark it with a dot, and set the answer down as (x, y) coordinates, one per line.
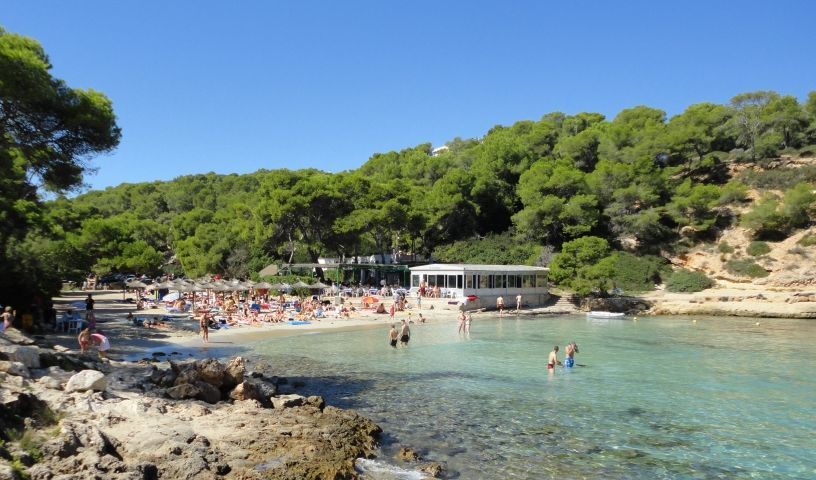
(725, 247)
(745, 268)
(492, 250)
(688, 281)
(808, 240)
(639, 274)
(756, 249)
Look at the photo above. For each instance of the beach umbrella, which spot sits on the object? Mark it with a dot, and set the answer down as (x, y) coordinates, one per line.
(300, 284)
(279, 286)
(171, 297)
(318, 285)
(136, 284)
(264, 286)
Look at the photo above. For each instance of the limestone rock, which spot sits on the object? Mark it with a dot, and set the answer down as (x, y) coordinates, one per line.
(7, 473)
(316, 401)
(245, 391)
(184, 390)
(211, 371)
(28, 356)
(50, 382)
(407, 454)
(234, 372)
(208, 392)
(14, 368)
(288, 401)
(434, 469)
(87, 380)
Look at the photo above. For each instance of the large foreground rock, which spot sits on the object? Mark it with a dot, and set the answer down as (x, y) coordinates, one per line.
(28, 356)
(87, 380)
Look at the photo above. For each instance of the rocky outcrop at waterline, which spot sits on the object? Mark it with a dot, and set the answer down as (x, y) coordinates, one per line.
(192, 420)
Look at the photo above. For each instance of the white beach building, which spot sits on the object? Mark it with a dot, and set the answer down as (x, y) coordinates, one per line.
(481, 285)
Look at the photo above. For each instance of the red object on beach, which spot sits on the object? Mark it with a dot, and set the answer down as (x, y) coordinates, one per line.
(471, 298)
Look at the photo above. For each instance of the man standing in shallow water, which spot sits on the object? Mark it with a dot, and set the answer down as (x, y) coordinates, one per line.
(393, 335)
(571, 349)
(405, 333)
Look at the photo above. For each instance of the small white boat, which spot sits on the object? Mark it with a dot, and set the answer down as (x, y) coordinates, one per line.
(596, 314)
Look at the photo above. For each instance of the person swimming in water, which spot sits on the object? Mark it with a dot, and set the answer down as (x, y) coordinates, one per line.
(571, 349)
(552, 361)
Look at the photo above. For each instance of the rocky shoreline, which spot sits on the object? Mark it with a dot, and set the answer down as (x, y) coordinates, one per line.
(65, 416)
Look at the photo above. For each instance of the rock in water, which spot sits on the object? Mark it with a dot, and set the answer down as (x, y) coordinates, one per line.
(407, 454)
(87, 380)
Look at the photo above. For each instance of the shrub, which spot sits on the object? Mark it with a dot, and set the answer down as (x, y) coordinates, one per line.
(778, 178)
(688, 281)
(808, 240)
(746, 268)
(500, 249)
(755, 249)
(725, 247)
(733, 192)
(639, 274)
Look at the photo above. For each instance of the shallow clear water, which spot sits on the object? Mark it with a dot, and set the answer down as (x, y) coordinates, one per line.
(660, 397)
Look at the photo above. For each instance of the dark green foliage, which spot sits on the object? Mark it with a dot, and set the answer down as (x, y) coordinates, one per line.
(687, 281)
(638, 274)
(724, 247)
(492, 250)
(585, 265)
(745, 268)
(757, 248)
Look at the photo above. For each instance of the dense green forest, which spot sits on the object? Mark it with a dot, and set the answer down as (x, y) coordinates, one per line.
(589, 196)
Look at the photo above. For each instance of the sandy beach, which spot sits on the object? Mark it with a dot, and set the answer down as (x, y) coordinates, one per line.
(181, 334)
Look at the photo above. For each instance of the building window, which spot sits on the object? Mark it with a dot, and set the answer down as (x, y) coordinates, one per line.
(484, 281)
(414, 280)
(458, 281)
(451, 281)
(541, 281)
(469, 281)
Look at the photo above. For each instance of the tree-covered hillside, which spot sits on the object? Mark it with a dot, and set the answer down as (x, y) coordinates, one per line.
(591, 196)
(639, 182)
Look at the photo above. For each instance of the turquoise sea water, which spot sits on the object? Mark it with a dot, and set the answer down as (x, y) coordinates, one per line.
(660, 397)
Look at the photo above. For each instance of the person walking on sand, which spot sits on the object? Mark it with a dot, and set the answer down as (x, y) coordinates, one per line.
(468, 320)
(500, 305)
(552, 361)
(392, 310)
(393, 335)
(571, 349)
(84, 338)
(89, 303)
(204, 324)
(518, 303)
(405, 334)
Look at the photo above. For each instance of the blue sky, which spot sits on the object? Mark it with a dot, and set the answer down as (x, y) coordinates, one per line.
(232, 87)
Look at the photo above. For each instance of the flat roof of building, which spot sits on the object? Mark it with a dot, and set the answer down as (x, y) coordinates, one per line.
(435, 267)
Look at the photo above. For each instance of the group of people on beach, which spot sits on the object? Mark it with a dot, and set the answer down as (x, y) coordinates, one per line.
(500, 304)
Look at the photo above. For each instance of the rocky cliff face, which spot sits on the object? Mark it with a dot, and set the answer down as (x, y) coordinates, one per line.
(193, 420)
